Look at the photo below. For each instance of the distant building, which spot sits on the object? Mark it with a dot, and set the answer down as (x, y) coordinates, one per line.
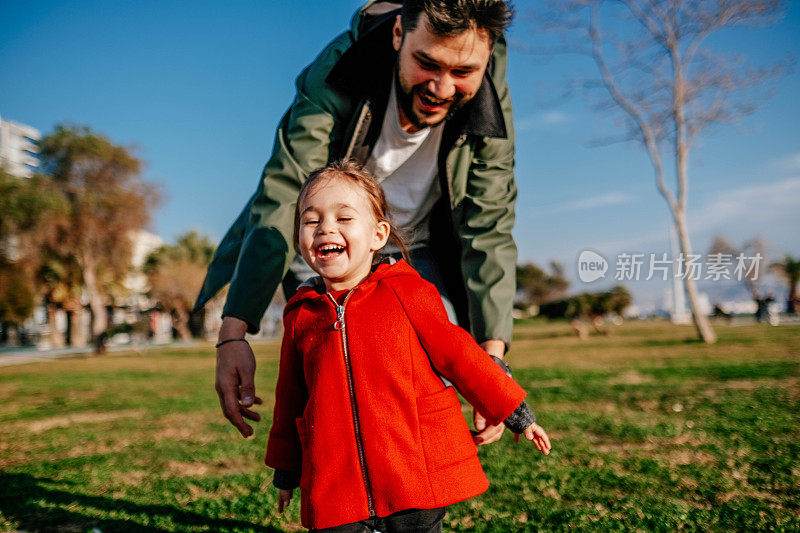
(18, 150)
(143, 243)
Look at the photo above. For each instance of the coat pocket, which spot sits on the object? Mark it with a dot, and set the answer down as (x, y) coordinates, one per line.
(302, 432)
(445, 436)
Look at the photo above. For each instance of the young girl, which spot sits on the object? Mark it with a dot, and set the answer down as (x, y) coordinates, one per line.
(362, 420)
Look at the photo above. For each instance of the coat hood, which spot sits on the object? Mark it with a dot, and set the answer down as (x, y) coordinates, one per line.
(314, 288)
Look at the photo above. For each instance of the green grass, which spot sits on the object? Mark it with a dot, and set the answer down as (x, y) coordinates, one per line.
(651, 431)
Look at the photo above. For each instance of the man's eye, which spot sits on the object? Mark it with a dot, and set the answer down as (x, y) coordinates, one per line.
(460, 73)
(428, 66)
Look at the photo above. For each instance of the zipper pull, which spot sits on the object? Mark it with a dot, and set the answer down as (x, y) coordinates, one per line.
(339, 324)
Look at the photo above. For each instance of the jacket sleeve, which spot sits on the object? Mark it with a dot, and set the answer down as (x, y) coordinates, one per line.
(455, 354)
(283, 447)
(489, 255)
(302, 144)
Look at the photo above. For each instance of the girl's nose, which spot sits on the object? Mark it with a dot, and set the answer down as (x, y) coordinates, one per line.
(325, 226)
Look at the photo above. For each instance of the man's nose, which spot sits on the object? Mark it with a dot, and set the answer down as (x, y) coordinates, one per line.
(441, 86)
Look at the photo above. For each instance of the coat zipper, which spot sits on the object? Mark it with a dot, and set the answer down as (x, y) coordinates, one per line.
(341, 326)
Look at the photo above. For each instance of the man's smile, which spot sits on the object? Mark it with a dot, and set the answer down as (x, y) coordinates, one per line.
(430, 104)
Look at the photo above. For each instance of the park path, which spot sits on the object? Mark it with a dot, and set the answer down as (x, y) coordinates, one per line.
(22, 356)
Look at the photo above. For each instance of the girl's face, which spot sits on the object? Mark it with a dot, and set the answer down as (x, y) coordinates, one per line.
(338, 232)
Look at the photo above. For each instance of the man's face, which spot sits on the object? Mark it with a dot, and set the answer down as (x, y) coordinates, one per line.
(436, 75)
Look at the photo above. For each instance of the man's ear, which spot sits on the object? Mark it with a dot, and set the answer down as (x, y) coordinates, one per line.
(397, 34)
(381, 236)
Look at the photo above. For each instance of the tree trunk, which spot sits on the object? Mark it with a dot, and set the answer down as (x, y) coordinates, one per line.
(12, 333)
(77, 337)
(180, 321)
(701, 322)
(99, 315)
(96, 304)
(791, 303)
(56, 338)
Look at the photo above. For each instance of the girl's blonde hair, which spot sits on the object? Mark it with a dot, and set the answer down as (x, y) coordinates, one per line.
(348, 169)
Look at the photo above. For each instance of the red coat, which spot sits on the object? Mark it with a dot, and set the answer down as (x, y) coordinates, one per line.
(372, 427)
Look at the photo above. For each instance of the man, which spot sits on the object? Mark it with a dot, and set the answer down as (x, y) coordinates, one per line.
(419, 96)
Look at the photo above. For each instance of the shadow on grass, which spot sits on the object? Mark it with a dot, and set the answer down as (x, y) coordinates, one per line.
(547, 334)
(671, 342)
(29, 501)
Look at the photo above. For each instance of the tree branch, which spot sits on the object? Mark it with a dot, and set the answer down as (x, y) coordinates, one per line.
(634, 112)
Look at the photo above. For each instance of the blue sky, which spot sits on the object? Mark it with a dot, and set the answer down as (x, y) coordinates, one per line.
(198, 88)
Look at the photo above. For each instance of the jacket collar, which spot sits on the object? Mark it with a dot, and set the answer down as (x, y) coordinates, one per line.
(314, 288)
(365, 70)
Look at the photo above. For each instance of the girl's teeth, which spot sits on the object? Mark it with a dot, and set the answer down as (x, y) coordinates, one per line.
(330, 248)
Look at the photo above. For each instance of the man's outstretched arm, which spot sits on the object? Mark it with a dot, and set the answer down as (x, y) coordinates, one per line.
(236, 367)
(302, 144)
(489, 252)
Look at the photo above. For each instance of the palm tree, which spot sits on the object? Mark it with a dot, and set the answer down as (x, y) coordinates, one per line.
(789, 270)
(175, 274)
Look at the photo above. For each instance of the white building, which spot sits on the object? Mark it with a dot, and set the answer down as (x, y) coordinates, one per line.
(18, 150)
(143, 243)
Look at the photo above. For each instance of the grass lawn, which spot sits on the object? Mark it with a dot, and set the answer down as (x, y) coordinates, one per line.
(650, 429)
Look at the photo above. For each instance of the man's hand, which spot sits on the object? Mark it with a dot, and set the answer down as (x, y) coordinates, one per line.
(235, 381)
(284, 498)
(488, 434)
(485, 434)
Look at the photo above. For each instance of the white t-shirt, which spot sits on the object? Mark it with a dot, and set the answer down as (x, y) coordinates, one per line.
(405, 164)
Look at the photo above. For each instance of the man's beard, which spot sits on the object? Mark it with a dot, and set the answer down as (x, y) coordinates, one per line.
(406, 101)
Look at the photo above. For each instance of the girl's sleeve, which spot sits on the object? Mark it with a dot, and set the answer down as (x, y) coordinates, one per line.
(455, 354)
(283, 447)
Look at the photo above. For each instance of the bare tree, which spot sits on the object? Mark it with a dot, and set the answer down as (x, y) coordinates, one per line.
(656, 70)
(752, 248)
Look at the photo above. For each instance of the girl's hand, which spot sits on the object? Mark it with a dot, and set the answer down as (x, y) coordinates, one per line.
(537, 434)
(284, 497)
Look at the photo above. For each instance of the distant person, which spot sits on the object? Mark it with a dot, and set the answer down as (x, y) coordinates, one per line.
(762, 308)
(417, 94)
(719, 312)
(363, 423)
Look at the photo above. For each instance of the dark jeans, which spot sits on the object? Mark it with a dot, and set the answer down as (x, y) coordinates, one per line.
(423, 262)
(408, 521)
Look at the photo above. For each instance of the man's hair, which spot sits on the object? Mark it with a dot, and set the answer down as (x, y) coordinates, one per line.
(448, 18)
(353, 172)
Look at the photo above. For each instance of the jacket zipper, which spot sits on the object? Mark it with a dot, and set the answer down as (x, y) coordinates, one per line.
(341, 326)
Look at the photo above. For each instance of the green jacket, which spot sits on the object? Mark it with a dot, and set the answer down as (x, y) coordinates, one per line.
(337, 112)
